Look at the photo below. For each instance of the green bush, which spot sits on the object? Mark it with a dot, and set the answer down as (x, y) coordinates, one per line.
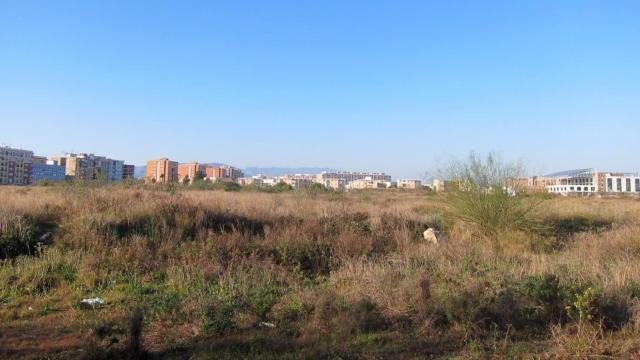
(487, 196)
(279, 187)
(262, 298)
(547, 299)
(218, 317)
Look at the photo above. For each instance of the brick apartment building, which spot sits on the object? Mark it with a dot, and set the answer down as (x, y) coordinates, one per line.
(161, 171)
(15, 166)
(188, 172)
(215, 173)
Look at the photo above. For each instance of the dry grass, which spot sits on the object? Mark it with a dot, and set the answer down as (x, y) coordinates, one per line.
(338, 274)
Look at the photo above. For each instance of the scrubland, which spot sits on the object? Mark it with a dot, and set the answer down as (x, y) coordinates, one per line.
(214, 274)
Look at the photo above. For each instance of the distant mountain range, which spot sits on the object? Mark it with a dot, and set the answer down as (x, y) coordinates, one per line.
(139, 171)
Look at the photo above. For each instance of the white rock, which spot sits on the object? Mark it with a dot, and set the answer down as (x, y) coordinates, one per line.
(430, 236)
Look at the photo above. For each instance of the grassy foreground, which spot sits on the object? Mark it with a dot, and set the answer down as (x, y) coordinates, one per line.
(213, 274)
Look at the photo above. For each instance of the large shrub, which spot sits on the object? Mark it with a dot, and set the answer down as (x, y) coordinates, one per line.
(487, 194)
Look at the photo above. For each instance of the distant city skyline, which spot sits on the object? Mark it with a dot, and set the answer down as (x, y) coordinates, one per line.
(397, 87)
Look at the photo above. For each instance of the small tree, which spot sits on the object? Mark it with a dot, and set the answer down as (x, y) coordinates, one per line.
(281, 187)
(199, 176)
(488, 194)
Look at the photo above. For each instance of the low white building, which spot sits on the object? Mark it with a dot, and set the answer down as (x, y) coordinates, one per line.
(437, 185)
(409, 184)
(588, 181)
(366, 184)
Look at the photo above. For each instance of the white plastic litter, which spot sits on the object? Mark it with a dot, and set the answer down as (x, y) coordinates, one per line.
(267, 324)
(92, 301)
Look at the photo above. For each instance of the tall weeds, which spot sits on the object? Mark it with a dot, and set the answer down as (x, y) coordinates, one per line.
(249, 275)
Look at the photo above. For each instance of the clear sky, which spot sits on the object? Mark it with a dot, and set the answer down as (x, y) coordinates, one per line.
(394, 86)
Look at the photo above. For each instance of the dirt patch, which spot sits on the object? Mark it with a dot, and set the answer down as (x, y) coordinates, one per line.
(46, 336)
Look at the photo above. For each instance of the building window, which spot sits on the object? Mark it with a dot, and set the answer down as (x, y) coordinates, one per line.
(638, 185)
(628, 183)
(571, 188)
(579, 188)
(593, 188)
(618, 184)
(609, 184)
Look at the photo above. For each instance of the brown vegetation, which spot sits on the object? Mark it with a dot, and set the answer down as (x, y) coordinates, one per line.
(337, 274)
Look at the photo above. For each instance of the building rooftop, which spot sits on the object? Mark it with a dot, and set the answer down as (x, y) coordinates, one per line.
(571, 173)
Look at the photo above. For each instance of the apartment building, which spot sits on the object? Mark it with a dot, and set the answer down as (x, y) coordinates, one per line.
(115, 169)
(47, 171)
(338, 180)
(89, 167)
(128, 172)
(297, 181)
(409, 184)
(215, 173)
(188, 172)
(269, 182)
(15, 166)
(161, 171)
(336, 184)
(351, 176)
(244, 181)
(366, 184)
(256, 180)
(232, 172)
(80, 166)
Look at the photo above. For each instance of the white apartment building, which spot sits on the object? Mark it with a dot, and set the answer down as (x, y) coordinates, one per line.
(409, 184)
(366, 184)
(340, 180)
(254, 180)
(297, 181)
(336, 184)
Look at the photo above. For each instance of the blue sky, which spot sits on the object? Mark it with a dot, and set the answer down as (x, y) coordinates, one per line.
(394, 86)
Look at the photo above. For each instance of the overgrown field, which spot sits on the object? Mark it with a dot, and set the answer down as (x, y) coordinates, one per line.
(214, 274)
